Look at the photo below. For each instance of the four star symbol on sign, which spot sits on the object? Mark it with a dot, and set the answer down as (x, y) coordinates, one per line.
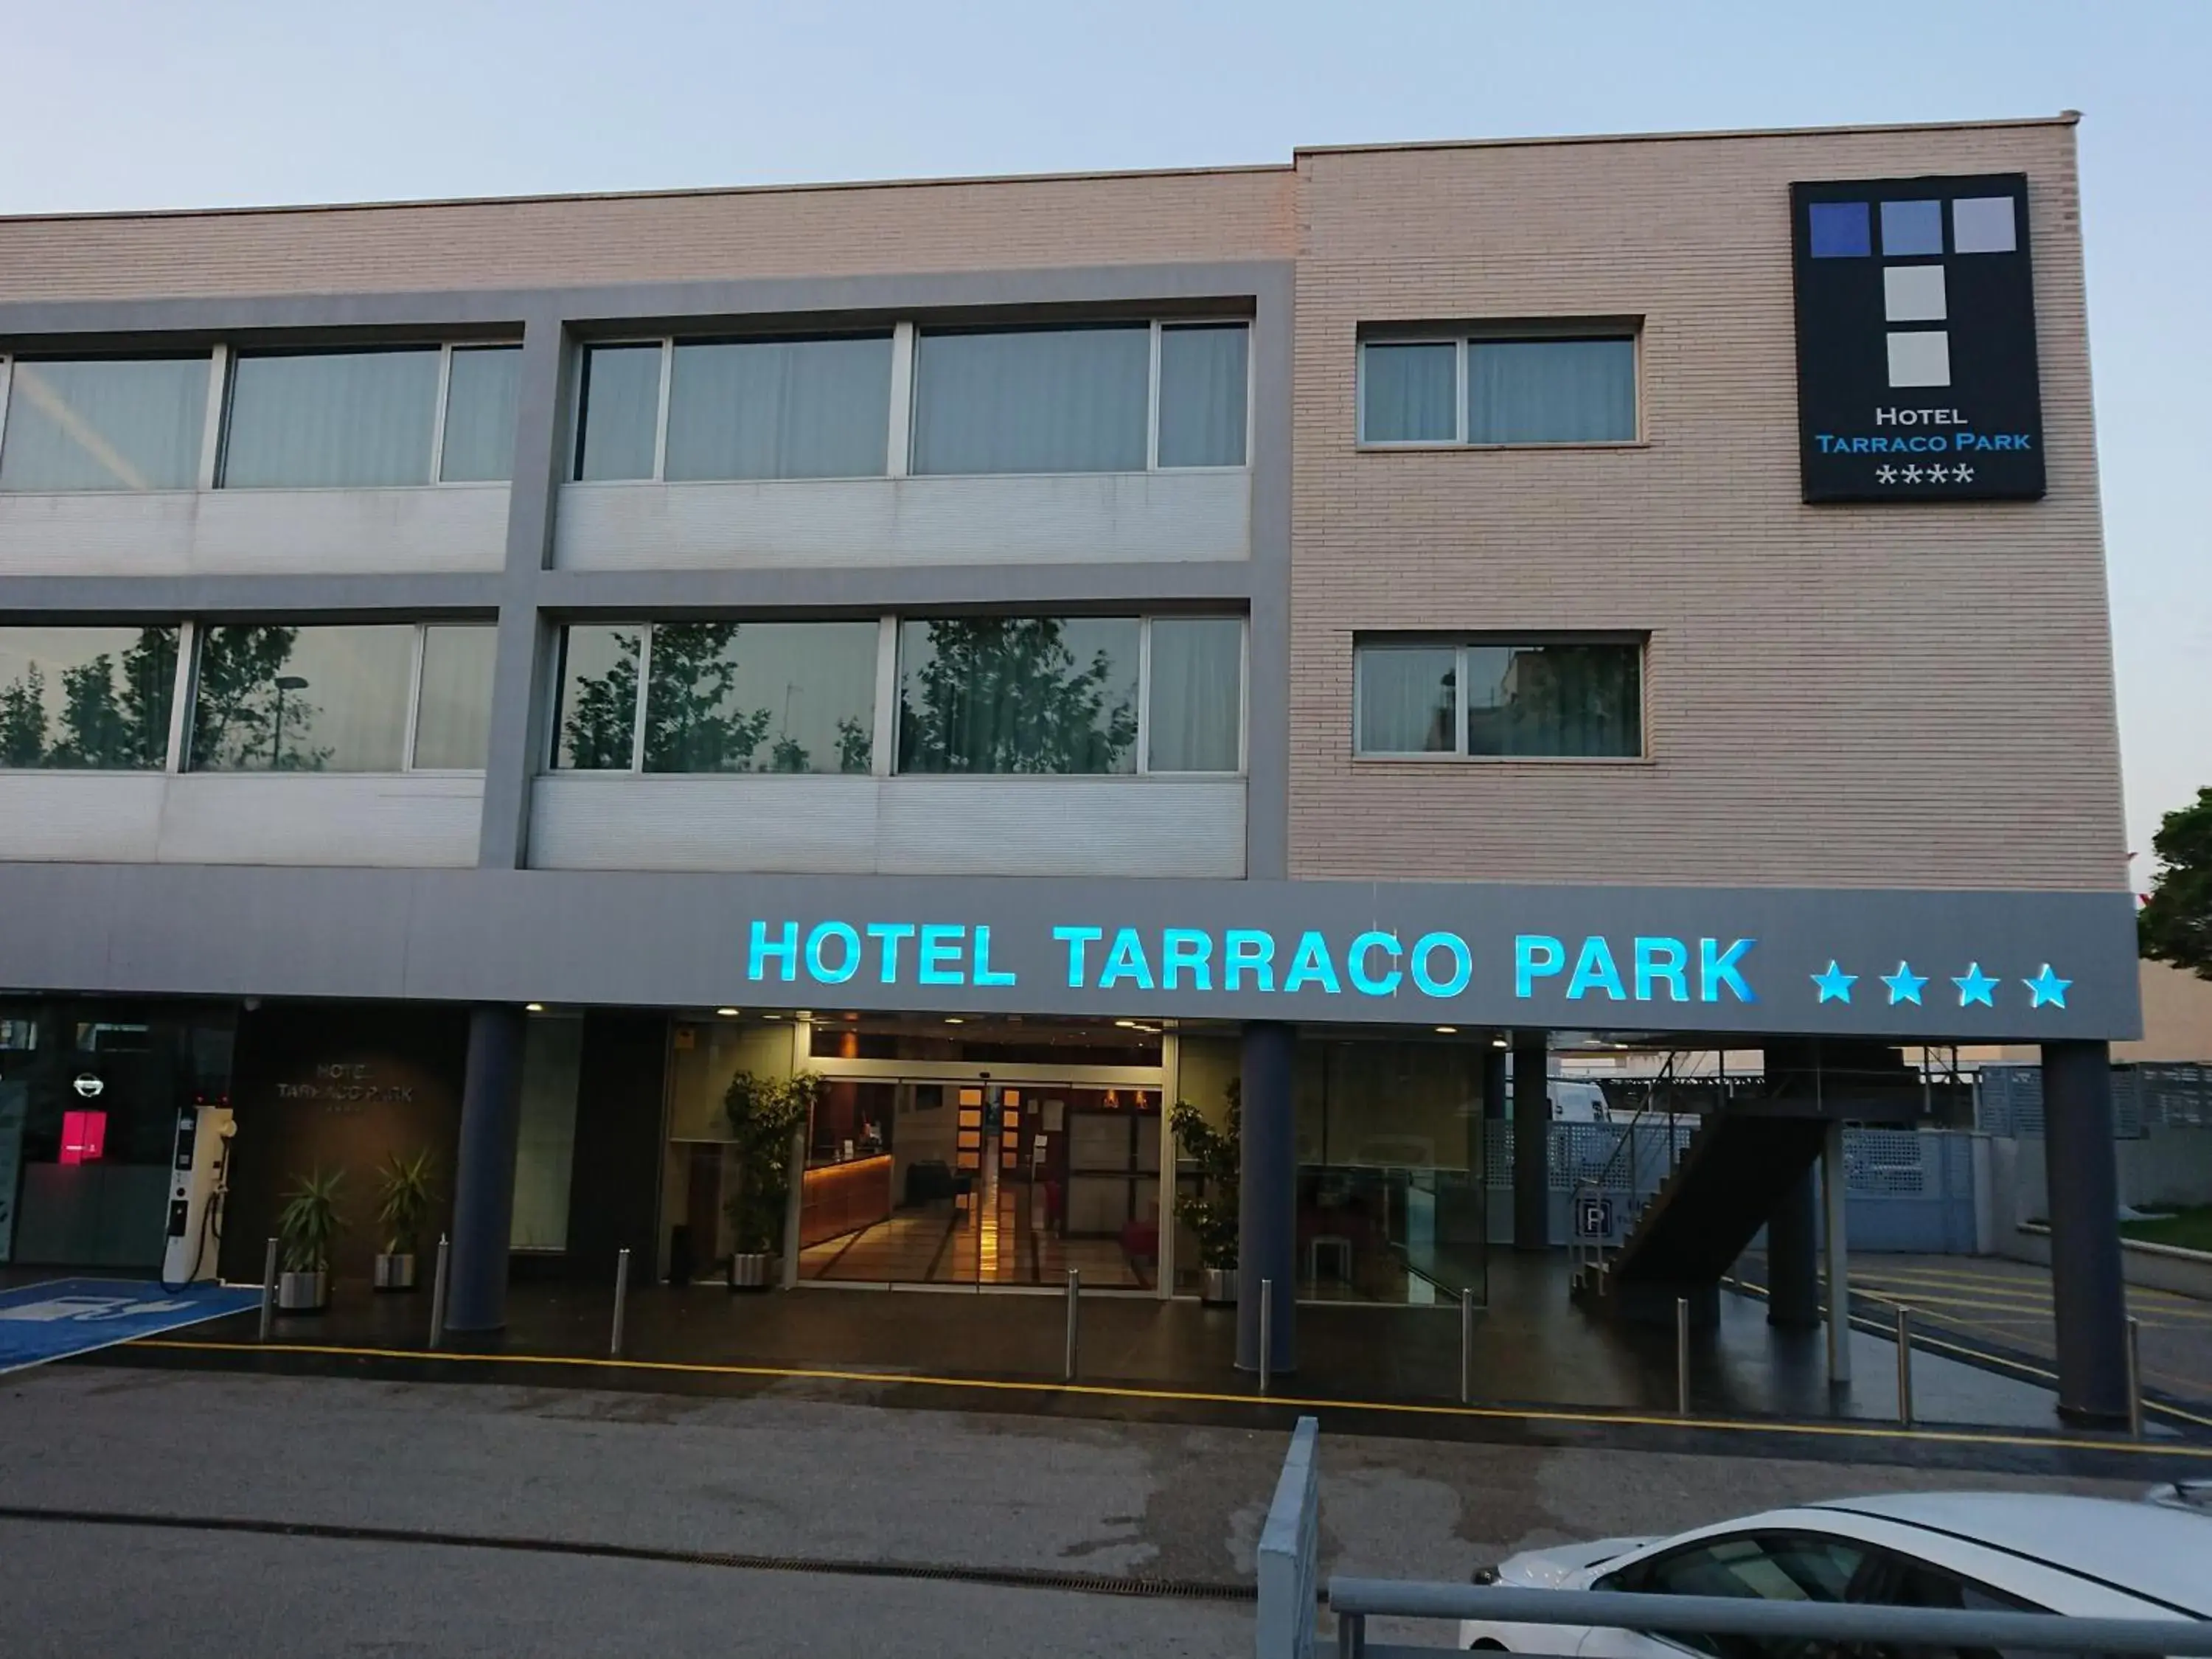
(2045, 989)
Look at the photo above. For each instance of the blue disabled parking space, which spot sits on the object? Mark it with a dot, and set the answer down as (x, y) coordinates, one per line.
(65, 1316)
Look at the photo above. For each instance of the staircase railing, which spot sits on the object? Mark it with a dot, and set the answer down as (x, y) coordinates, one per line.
(1589, 1258)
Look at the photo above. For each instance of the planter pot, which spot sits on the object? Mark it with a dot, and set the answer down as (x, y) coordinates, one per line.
(752, 1270)
(302, 1293)
(395, 1271)
(1217, 1285)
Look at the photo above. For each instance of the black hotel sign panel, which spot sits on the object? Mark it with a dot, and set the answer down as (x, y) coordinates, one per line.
(1916, 375)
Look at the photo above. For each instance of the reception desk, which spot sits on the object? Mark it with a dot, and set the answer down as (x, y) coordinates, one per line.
(836, 1199)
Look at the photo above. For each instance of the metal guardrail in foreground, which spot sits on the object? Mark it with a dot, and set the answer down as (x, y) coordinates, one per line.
(1355, 1599)
(1289, 1556)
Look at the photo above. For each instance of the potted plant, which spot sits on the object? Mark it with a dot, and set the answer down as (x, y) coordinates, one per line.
(404, 1199)
(763, 1112)
(306, 1227)
(1219, 1153)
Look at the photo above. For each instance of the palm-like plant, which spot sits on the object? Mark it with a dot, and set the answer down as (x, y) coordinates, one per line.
(309, 1223)
(1219, 1154)
(763, 1114)
(404, 1199)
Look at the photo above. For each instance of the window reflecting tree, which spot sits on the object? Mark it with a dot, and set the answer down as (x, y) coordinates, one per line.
(693, 722)
(244, 717)
(1010, 695)
(600, 716)
(23, 720)
(115, 709)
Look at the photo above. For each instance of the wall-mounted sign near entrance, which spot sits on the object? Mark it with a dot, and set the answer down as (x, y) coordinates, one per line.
(1916, 376)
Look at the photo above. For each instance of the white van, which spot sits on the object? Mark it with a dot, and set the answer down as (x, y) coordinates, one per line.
(1574, 1101)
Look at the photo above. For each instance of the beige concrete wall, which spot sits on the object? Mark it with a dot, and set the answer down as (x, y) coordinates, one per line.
(1838, 696)
(1016, 223)
(2177, 1009)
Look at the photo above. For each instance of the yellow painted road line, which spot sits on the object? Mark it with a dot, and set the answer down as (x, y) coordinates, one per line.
(1192, 1397)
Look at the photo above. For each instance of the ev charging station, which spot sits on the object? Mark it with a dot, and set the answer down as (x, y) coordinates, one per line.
(199, 1178)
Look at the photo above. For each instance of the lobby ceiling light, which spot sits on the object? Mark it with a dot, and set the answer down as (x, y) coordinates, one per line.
(954, 1019)
(1447, 1030)
(1499, 1042)
(727, 1013)
(533, 1007)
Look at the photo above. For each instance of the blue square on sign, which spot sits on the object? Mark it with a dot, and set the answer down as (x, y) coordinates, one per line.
(1912, 228)
(1840, 231)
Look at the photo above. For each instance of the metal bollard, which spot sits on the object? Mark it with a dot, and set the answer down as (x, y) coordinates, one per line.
(1465, 1346)
(1266, 1330)
(2135, 1383)
(1904, 1366)
(1681, 1355)
(268, 1289)
(622, 1299)
(1074, 1319)
(438, 1297)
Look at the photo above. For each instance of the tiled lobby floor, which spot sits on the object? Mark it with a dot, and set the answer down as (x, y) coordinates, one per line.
(1005, 1242)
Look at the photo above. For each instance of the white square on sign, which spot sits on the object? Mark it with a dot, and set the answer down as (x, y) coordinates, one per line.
(1912, 294)
(1921, 358)
(1983, 224)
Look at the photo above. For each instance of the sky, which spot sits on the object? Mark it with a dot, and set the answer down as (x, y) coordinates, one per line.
(113, 104)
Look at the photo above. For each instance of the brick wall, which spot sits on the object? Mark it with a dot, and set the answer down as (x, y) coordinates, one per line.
(1837, 696)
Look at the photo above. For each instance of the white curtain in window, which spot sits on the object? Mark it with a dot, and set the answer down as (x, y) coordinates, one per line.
(480, 393)
(1551, 392)
(104, 423)
(779, 409)
(1407, 392)
(1408, 699)
(1202, 384)
(1032, 400)
(1196, 711)
(620, 411)
(453, 716)
(335, 419)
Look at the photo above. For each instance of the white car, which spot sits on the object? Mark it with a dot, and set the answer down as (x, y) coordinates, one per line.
(1986, 1551)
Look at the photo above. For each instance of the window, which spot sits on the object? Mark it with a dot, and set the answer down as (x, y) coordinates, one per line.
(1060, 695)
(1500, 699)
(84, 698)
(1769, 1567)
(1203, 380)
(1032, 400)
(369, 418)
(720, 696)
(343, 698)
(618, 412)
(1500, 388)
(480, 400)
(779, 409)
(103, 423)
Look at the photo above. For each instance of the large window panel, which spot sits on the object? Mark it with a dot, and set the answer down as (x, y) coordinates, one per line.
(453, 716)
(350, 420)
(1203, 377)
(271, 698)
(1195, 713)
(1032, 400)
(1551, 392)
(779, 409)
(618, 411)
(1018, 694)
(1407, 390)
(1408, 699)
(480, 406)
(725, 697)
(1555, 700)
(595, 723)
(87, 697)
(104, 423)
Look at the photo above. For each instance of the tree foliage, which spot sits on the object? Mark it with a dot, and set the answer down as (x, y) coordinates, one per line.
(764, 1113)
(692, 722)
(235, 715)
(2176, 925)
(114, 716)
(1005, 694)
(1219, 1153)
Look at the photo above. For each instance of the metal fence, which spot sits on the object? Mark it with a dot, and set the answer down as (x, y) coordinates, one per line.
(2145, 1095)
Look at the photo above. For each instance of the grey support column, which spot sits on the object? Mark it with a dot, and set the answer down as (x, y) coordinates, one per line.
(1793, 1257)
(1266, 1215)
(2083, 1175)
(1832, 1188)
(483, 1171)
(1532, 1140)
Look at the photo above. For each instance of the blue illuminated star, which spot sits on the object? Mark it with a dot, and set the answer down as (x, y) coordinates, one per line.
(2046, 987)
(1975, 986)
(1835, 984)
(1904, 984)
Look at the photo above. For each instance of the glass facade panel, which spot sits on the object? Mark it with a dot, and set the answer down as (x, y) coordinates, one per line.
(1408, 699)
(1018, 694)
(596, 722)
(1196, 714)
(1202, 388)
(87, 697)
(779, 409)
(1551, 392)
(452, 720)
(729, 696)
(277, 699)
(1032, 400)
(545, 1141)
(1556, 700)
(619, 412)
(104, 423)
(480, 392)
(331, 420)
(1407, 392)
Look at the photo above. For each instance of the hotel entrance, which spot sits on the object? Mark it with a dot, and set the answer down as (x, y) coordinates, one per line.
(948, 1154)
